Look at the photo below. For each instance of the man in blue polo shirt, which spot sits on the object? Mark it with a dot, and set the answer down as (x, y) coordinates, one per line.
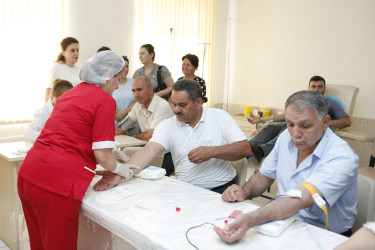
(307, 157)
(264, 141)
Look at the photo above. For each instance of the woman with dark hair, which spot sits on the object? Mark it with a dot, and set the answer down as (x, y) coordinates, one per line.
(159, 75)
(190, 64)
(65, 67)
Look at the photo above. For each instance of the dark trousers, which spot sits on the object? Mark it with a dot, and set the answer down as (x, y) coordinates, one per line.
(221, 189)
(347, 233)
(168, 164)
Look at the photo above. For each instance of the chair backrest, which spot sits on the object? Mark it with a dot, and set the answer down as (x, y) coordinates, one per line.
(157, 161)
(345, 93)
(241, 168)
(365, 201)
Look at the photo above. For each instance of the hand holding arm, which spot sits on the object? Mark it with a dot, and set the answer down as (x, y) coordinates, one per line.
(120, 155)
(125, 170)
(230, 152)
(144, 156)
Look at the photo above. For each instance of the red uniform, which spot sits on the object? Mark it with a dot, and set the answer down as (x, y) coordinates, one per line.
(59, 163)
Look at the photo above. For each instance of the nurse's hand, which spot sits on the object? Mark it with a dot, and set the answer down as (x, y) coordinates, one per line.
(120, 155)
(109, 180)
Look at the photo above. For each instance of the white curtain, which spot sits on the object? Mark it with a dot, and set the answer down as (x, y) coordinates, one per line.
(175, 28)
(30, 33)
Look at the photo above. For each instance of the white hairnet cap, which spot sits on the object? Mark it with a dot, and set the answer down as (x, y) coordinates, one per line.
(101, 67)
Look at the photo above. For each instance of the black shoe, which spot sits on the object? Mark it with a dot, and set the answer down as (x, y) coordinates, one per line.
(257, 152)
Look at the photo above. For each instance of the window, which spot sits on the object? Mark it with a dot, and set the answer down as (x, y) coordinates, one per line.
(30, 33)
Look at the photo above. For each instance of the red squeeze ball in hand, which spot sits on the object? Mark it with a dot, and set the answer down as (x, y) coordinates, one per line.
(178, 209)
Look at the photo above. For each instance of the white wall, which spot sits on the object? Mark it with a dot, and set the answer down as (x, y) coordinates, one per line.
(279, 45)
(97, 23)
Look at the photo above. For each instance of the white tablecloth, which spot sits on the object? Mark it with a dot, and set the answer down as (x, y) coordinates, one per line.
(144, 213)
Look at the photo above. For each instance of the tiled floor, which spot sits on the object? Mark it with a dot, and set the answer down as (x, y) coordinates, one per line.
(24, 245)
(23, 237)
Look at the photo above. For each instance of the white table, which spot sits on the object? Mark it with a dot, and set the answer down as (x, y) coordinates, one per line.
(10, 207)
(128, 141)
(148, 220)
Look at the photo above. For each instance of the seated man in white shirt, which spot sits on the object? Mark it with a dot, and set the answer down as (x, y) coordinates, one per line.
(202, 142)
(148, 112)
(309, 159)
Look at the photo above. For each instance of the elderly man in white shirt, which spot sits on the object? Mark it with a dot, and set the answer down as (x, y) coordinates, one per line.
(148, 112)
(202, 142)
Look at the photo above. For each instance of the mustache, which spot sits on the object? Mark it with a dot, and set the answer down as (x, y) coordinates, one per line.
(179, 113)
(297, 140)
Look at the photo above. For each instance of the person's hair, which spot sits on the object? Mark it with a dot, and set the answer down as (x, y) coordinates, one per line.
(148, 82)
(64, 45)
(192, 88)
(103, 48)
(305, 99)
(59, 87)
(317, 79)
(126, 58)
(150, 49)
(192, 58)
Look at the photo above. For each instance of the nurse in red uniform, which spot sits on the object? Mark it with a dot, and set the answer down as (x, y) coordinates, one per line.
(60, 166)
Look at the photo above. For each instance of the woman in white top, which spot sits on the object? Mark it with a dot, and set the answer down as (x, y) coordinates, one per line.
(150, 69)
(65, 67)
(42, 114)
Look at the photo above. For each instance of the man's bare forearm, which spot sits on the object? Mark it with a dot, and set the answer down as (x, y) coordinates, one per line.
(281, 208)
(232, 152)
(342, 122)
(144, 156)
(257, 185)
